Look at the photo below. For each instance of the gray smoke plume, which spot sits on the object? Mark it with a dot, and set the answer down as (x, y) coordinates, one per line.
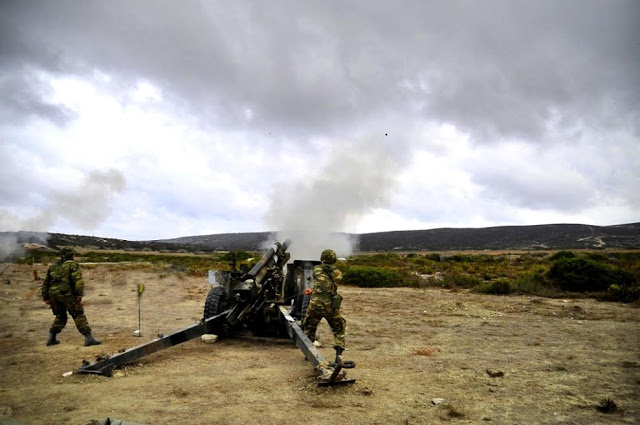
(9, 247)
(85, 207)
(313, 212)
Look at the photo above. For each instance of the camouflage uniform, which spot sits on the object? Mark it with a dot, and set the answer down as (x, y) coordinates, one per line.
(326, 278)
(62, 288)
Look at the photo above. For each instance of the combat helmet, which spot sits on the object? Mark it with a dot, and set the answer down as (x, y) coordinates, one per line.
(328, 256)
(67, 253)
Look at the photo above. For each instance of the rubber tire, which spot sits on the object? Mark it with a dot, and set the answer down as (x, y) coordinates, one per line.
(215, 303)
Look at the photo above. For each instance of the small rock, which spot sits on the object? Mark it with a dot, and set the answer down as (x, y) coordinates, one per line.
(436, 401)
(67, 374)
(118, 374)
(495, 374)
(209, 338)
(137, 332)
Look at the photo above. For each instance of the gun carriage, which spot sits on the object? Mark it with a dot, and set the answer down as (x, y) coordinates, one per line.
(267, 300)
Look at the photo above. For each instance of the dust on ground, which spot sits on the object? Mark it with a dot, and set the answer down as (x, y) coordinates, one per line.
(493, 359)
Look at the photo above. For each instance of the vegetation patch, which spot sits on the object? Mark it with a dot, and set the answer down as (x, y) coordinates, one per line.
(372, 277)
(585, 275)
(607, 405)
(604, 275)
(499, 287)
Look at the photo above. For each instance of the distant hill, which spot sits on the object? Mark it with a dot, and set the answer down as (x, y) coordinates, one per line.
(224, 241)
(547, 237)
(55, 240)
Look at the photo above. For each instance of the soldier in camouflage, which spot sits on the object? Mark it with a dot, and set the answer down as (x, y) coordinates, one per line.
(325, 302)
(62, 289)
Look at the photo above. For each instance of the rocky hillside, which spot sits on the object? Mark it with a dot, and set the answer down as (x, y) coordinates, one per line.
(548, 236)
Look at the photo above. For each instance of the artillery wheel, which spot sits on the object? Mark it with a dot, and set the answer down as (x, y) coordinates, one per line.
(216, 303)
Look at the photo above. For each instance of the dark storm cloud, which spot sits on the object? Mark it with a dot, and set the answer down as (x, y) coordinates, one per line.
(497, 68)
(24, 97)
(22, 91)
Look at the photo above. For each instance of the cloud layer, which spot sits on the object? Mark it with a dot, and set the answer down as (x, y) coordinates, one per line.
(369, 116)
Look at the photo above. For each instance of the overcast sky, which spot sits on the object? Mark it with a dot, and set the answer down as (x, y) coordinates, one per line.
(157, 119)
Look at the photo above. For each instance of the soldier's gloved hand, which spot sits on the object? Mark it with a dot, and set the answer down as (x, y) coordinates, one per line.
(79, 300)
(47, 302)
(308, 291)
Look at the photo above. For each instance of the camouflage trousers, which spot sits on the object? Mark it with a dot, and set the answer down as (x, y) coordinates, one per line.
(60, 304)
(319, 308)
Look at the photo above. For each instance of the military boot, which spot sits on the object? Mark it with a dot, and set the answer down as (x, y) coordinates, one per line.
(339, 351)
(90, 340)
(52, 339)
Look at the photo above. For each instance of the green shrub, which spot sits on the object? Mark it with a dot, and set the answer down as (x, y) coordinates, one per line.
(625, 294)
(499, 286)
(433, 257)
(597, 256)
(562, 254)
(453, 280)
(459, 258)
(372, 277)
(35, 256)
(532, 282)
(237, 256)
(583, 275)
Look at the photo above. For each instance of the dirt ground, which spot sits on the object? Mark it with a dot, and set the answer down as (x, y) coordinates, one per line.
(493, 359)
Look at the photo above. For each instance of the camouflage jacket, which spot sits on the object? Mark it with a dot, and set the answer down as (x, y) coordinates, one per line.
(63, 278)
(326, 278)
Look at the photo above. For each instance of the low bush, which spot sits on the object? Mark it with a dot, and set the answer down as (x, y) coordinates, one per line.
(237, 256)
(460, 280)
(583, 275)
(433, 257)
(562, 254)
(625, 294)
(499, 286)
(532, 282)
(372, 277)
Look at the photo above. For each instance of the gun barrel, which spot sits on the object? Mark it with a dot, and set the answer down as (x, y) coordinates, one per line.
(270, 257)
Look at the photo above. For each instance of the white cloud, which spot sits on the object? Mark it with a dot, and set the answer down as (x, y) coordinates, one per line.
(246, 117)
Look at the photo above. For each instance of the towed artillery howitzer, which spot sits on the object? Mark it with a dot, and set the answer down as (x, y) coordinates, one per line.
(263, 300)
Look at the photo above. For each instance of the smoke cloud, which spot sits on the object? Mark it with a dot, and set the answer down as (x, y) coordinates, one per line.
(355, 177)
(9, 246)
(86, 207)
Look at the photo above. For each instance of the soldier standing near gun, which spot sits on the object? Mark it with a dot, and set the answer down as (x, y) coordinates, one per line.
(63, 289)
(325, 302)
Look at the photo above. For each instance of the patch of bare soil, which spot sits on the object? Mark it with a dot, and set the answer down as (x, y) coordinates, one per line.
(491, 359)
